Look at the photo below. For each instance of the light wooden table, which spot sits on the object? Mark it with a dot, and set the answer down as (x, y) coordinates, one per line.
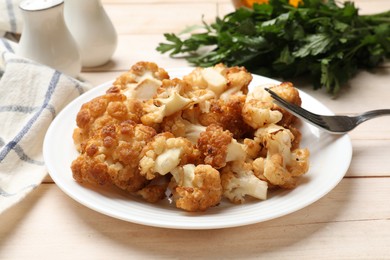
(351, 222)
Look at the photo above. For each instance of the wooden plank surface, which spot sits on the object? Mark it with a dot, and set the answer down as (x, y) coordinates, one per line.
(350, 221)
(155, 18)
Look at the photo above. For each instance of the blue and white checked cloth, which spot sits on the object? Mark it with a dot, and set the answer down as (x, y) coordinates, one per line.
(31, 95)
(10, 17)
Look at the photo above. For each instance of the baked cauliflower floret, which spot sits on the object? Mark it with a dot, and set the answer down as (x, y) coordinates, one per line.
(238, 79)
(168, 100)
(299, 162)
(239, 181)
(216, 82)
(196, 188)
(217, 147)
(174, 124)
(281, 165)
(193, 131)
(258, 170)
(111, 156)
(180, 127)
(257, 110)
(286, 91)
(153, 193)
(107, 109)
(226, 113)
(276, 139)
(253, 149)
(141, 81)
(208, 78)
(155, 190)
(164, 153)
(219, 79)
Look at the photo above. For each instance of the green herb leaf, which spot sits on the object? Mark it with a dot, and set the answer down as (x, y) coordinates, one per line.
(315, 44)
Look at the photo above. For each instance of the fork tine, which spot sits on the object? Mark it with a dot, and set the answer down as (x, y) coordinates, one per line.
(297, 110)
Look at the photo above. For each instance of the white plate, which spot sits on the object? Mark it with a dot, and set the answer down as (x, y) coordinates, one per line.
(330, 159)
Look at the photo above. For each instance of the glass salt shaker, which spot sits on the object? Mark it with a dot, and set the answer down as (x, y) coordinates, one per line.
(92, 29)
(45, 37)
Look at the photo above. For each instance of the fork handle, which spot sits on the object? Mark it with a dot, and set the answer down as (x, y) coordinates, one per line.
(372, 114)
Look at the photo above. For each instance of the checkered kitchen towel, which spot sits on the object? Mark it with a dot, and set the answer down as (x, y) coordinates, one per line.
(31, 95)
(10, 17)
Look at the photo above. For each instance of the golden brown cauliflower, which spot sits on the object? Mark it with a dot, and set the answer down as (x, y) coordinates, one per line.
(139, 71)
(169, 99)
(299, 162)
(219, 79)
(226, 113)
(107, 109)
(217, 147)
(111, 156)
(253, 149)
(174, 124)
(208, 78)
(196, 188)
(238, 79)
(164, 153)
(297, 137)
(155, 190)
(288, 92)
(257, 110)
(141, 81)
(281, 165)
(181, 127)
(238, 181)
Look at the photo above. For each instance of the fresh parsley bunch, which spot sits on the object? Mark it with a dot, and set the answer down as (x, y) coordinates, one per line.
(327, 40)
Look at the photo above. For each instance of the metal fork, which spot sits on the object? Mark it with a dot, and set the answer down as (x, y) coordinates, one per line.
(338, 124)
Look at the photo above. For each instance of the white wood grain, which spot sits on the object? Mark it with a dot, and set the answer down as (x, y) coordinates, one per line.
(159, 17)
(350, 221)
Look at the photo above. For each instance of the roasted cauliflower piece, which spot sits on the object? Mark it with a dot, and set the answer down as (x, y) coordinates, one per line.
(297, 137)
(156, 190)
(238, 181)
(226, 113)
(208, 78)
(260, 110)
(180, 127)
(217, 147)
(299, 162)
(111, 156)
(219, 79)
(253, 149)
(281, 165)
(238, 81)
(168, 100)
(171, 97)
(196, 188)
(288, 92)
(193, 131)
(174, 124)
(257, 110)
(107, 109)
(164, 153)
(153, 193)
(141, 81)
